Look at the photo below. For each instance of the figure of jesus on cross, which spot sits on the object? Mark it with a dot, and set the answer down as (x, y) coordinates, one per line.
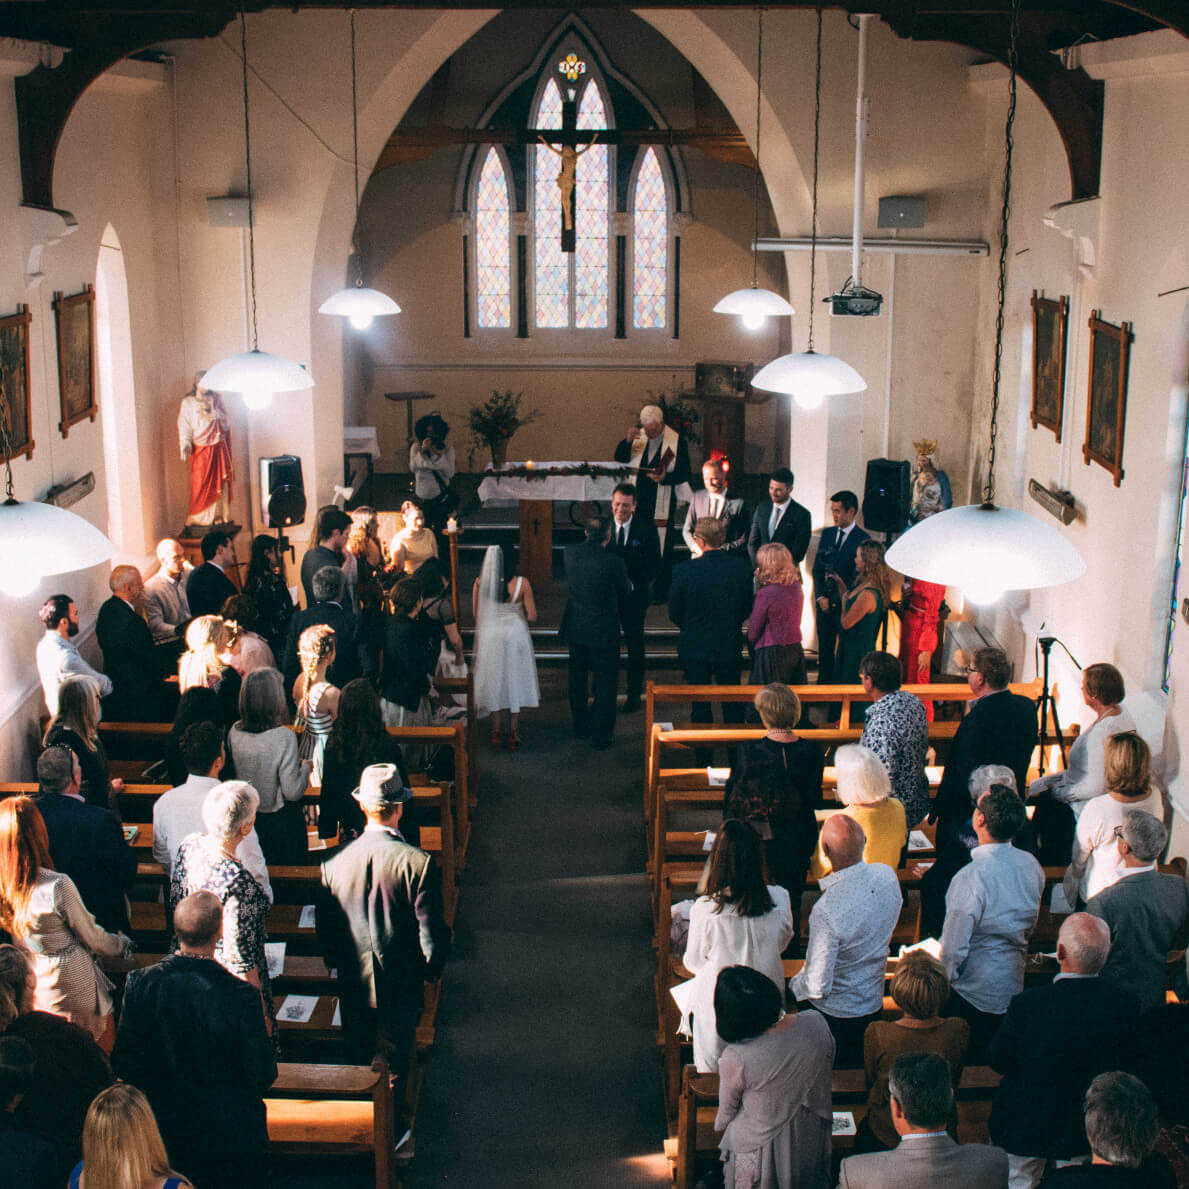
(569, 155)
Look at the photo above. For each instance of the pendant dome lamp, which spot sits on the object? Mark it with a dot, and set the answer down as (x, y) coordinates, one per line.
(755, 305)
(358, 304)
(255, 374)
(807, 376)
(984, 549)
(38, 539)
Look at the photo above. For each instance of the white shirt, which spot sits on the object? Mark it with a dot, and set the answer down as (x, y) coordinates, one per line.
(625, 529)
(178, 814)
(1095, 862)
(58, 659)
(850, 929)
(426, 466)
(990, 912)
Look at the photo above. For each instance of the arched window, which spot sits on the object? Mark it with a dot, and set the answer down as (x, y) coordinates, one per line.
(492, 244)
(571, 288)
(650, 246)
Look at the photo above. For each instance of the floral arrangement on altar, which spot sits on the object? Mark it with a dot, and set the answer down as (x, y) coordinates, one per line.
(679, 414)
(495, 421)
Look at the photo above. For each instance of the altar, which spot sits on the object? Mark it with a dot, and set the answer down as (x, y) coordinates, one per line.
(536, 486)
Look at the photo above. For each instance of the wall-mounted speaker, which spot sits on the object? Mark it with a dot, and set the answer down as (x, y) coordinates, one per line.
(886, 496)
(282, 491)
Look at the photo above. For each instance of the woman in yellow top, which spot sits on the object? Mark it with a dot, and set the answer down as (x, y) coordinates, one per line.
(866, 791)
(413, 543)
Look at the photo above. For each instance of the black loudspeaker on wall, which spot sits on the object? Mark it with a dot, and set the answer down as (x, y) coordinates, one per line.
(886, 496)
(282, 491)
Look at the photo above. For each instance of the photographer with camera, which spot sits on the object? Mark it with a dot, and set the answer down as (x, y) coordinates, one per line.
(432, 462)
(835, 555)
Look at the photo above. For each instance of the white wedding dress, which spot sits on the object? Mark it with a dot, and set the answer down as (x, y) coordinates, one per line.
(505, 667)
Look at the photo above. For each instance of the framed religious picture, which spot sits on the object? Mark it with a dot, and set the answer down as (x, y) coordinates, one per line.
(1110, 348)
(1050, 327)
(76, 357)
(14, 382)
(722, 379)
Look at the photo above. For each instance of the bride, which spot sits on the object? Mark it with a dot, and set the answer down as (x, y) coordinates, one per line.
(505, 668)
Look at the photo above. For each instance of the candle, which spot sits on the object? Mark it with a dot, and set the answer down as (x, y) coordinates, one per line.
(530, 464)
(451, 525)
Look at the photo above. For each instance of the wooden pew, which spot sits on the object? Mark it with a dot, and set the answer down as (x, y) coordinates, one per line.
(335, 1108)
(698, 1105)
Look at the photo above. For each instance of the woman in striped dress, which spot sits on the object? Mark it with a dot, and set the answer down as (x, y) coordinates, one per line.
(317, 700)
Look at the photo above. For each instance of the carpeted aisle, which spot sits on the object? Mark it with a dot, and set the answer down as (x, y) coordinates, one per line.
(545, 1071)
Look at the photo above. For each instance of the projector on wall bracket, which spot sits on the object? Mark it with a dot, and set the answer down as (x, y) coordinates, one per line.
(855, 302)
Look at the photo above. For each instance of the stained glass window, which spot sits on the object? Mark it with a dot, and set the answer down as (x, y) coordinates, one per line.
(590, 241)
(493, 262)
(650, 246)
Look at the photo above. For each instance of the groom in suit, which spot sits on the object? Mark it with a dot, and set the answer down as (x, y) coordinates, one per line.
(781, 519)
(716, 502)
(634, 539)
(835, 555)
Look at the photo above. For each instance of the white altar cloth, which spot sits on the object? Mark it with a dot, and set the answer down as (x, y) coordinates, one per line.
(512, 488)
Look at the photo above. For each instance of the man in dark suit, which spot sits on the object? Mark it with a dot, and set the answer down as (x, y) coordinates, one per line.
(711, 598)
(835, 555)
(85, 840)
(1051, 1045)
(380, 923)
(192, 1036)
(330, 532)
(634, 539)
(922, 1102)
(1147, 912)
(208, 586)
(999, 728)
(717, 502)
(599, 590)
(781, 519)
(129, 655)
(327, 607)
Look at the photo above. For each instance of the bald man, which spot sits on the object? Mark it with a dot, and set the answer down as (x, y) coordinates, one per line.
(192, 1036)
(129, 659)
(850, 929)
(1051, 1045)
(165, 607)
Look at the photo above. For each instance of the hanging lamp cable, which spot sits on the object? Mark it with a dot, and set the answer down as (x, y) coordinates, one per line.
(243, 45)
(355, 158)
(1004, 216)
(817, 122)
(755, 184)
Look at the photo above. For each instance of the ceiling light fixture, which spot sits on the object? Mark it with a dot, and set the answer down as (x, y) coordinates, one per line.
(807, 376)
(38, 539)
(755, 305)
(255, 374)
(358, 304)
(983, 549)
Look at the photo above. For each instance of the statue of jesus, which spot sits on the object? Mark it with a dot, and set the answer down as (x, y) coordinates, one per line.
(565, 179)
(204, 434)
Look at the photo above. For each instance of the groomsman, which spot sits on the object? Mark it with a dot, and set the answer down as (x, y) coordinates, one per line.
(634, 539)
(781, 519)
(717, 503)
(835, 555)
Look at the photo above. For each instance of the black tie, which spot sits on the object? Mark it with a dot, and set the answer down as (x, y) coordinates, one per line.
(623, 536)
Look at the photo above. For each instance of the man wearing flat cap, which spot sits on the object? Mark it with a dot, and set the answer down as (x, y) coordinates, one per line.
(380, 924)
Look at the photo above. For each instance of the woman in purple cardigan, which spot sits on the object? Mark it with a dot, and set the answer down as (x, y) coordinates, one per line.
(774, 627)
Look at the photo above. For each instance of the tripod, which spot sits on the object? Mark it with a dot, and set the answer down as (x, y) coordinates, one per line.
(1046, 704)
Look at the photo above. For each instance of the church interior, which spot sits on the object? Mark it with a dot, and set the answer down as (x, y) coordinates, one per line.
(123, 132)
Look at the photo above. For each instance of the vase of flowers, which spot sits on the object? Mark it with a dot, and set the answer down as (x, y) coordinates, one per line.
(679, 414)
(495, 421)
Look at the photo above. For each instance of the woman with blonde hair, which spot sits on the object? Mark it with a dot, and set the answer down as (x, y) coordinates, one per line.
(204, 664)
(774, 626)
(317, 700)
(920, 988)
(866, 790)
(1094, 864)
(76, 726)
(413, 543)
(41, 909)
(864, 606)
(122, 1147)
(265, 753)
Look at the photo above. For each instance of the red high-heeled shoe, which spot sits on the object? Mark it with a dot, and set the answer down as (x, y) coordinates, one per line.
(497, 741)
(514, 741)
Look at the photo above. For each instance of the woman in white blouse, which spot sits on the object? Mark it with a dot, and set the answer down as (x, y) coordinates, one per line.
(1095, 861)
(43, 911)
(740, 921)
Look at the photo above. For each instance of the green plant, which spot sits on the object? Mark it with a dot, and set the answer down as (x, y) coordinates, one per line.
(679, 414)
(498, 417)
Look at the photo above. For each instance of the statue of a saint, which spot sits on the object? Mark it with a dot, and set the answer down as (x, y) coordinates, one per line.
(565, 179)
(204, 434)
